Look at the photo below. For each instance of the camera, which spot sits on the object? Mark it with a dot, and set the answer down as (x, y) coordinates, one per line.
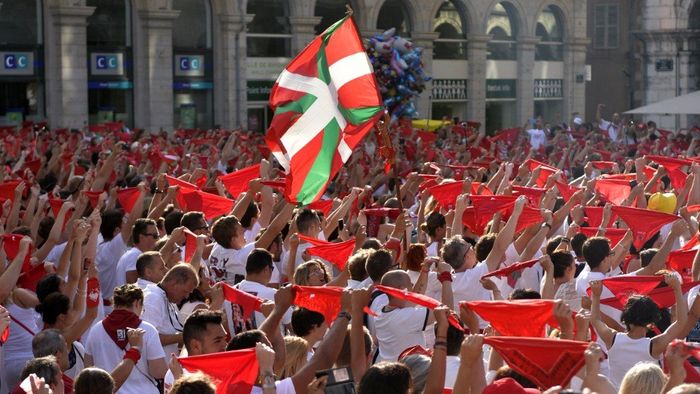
(339, 381)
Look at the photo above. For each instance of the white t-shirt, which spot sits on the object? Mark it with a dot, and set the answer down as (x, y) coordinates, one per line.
(284, 386)
(398, 329)
(249, 235)
(162, 314)
(582, 284)
(610, 128)
(108, 254)
(18, 348)
(433, 288)
(127, 263)
(228, 265)
(78, 351)
(537, 138)
(451, 370)
(376, 305)
(466, 285)
(107, 355)
(266, 293)
(143, 284)
(55, 254)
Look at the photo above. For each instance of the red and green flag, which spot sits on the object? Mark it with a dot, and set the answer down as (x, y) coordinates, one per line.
(324, 102)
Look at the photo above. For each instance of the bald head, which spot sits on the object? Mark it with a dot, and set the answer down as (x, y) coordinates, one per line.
(397, 279)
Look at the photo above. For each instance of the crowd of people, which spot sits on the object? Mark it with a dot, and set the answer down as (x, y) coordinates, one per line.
(537, 259)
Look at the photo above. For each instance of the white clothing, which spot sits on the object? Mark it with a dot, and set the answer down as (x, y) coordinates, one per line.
(126, 264)
(79, 353)
(537, 138)
(376, 305)
(582, 283)
(143, 284)
(18, 348)
(188, 308)
(249, 235)
(266, 293)
(284, 386)
(624, 353)
(433, 288)
(451, 370)
(610, 128)
(399, 329)
(162, 314)
(567, 293)
(432, 249)
(108, 254)
(228, 265)
(353, 284)
(55, 254)
(466, 286)
(107, 355)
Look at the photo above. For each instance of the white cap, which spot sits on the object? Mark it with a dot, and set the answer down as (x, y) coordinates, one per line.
(578, 121)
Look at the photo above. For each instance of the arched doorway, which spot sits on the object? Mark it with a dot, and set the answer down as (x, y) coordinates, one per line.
(549, 79)
(394, 14)
(332, 11)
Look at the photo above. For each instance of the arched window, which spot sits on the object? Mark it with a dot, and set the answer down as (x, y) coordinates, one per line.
(451, 24)
(192, 28)
(550, 31)
(394, 14)
(109, 25)
(502, 26)
(269, 33)
(330, 12)
(20, 23)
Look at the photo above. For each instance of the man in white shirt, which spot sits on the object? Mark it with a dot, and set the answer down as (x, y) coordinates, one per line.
(108, 340)
(613, 127)
(150, 268)
(537, 135)
(145, 235)
(160, 305)
(259, 268)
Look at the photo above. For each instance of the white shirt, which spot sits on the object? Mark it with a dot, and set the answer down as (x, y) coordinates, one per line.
(376, 305)
(162, 314)
(127, 263)
(107, 355)
(108, 254)
(228, 265)
(466, 286)
(537, 138)
(398, 329)
(249, 235)
(433, 288)
(610, 128)
(55, 254)
(284, 386)
(266, 293)
(451, 370)
(143, 284)
(624, 353)
(582, 283)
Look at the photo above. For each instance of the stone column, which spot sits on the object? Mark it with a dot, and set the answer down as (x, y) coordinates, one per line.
(153, 73)
(526, 82)
(230, 104)
(425, 41)
(66, 61)
(574, 67)
(303, 31)
(476, 86)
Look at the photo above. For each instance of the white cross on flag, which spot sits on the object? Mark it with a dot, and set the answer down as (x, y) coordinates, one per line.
(324, 103)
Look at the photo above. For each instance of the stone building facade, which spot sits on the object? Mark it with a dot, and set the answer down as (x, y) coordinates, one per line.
(198, 63)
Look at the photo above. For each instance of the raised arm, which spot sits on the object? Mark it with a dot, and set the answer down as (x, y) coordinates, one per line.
(675, 330)
(658, 262)
(9, 277)
(435, 381)
(505, 236)
(606, 333)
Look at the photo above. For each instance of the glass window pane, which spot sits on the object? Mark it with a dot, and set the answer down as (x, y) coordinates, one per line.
(599, 37)
(600, 14)
(393, 15)
(18, 22)
(271, 17)
(107, 25)
(268, 46)
(191, 26)
(330, 12)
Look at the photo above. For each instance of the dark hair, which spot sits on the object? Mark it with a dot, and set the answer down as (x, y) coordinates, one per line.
(196, 325)
(44, 367)
(379, 262)
(577, 242)
(257, 261)
(415, 256)
(53, 306)
(640, 311)
(111, 220)
(386, 378)
(250, 213)
(192, 219)
(305, 320)
(508, 372)
(126, 295)
(356, 265)
(372, 243)
(454, 340)
(49, 284)
(646, 255)
(196, 383)
(45, 225)
(144, 261)
(246, 340)
(173, 220)
(524, 294)
(433, 221)
(561, 262)
(553, 244)
(93, 381)
(224, 229)
(484, 245)
(140, 228)
(305, 218)
(595, 250)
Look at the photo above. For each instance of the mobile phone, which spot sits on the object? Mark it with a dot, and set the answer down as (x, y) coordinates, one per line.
(339, 381)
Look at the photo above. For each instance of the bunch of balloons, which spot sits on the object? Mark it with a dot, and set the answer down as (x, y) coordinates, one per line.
(399, 70)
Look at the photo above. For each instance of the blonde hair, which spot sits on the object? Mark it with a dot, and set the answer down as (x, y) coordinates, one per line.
(297, 349)
(643, 377)
(301, 274)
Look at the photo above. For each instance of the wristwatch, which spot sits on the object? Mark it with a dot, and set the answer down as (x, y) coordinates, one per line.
(344, 314)
(269, 381)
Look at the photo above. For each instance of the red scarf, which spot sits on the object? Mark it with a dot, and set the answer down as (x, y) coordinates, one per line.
(337, 253)
(518, 318)
(234, 372)
(116, 323)
(507, 271)
(546, 362)
(322, 299)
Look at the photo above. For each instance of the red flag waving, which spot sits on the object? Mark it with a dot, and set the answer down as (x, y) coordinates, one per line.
(674, 167)
(623, 287)
(681, 261)
(527, 218)
(616, 191)
(546, 362)
(566, 190)
(533, 194)
(594, 217)
(234, 372)
(418, 299)
(10, 243)
(545, 171)
(324, 206)
(190, 245)
(335, 252)
(505, 272)
(211, 205)
(518, 318)
(446, 193)
(237, 181)
(93, 197)
(324, 300)
(614, 235)
(172, 181)
(248, 302)
(127, 198)
(662, 296)
(487, 206)
(644, 223)
(7, 189)
(55, 204)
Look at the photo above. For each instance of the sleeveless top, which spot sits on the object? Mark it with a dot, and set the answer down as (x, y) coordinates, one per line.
(624, 353)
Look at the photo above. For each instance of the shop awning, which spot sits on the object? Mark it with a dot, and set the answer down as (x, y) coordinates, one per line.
(688, 104)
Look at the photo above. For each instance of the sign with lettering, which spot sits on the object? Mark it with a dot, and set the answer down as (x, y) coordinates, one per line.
(189, 65)
(259, 90)
(107, 63)
(17, 63)
(449, 89)
(500, 88)
(265, 68)
(664, 65)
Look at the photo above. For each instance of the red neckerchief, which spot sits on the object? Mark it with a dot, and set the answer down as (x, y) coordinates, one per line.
(116, 323)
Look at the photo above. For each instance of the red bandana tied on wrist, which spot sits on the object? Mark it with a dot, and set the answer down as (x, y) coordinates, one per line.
(324, 300)
(517, 318)
(93, 298)
(644, 223)
(234, 372)
(248, 303)
(418, 299)
(116, 323)
(546, 362)
(335, 252)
